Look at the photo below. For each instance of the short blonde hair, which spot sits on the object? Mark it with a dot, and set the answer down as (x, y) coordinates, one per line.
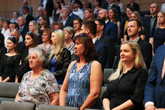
(138, 62)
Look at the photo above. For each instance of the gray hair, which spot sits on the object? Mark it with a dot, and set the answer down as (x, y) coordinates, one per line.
(69, 29)
(40, 53)
(69, 10)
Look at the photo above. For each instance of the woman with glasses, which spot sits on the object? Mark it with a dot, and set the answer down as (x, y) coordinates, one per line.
(10, 61)
(125, 90)
(30, 42)
(83, 81)
(59, 57)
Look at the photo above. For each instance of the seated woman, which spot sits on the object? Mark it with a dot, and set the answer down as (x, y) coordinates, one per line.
(60, 57)
(39, 85)
(10, 61)
(69, 34)
(77, 25)
(126, 88)
(46, 40)
(30, 42)
(83, 81)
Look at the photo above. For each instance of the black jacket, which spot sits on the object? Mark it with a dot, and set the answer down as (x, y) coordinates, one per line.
(61, 65)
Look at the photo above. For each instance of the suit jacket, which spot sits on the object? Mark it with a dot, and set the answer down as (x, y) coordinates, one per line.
(155, 86)
(28, 19)
(69, 22)
(49, 7)
(102, 52)
(136, 6)
(111, 49)
(24, 31)
(111, 30)
(146, 50)
(146, 23)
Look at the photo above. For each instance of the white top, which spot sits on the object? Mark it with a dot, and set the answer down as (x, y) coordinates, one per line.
(79, 13)
(6, 35)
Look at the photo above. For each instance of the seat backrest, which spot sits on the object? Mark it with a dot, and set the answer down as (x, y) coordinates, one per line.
(51, 107)
(8, 89)
(107, 74)
(103, 90)
(9, 105)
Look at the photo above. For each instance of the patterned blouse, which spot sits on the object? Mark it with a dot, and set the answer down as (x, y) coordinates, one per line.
(37, 90)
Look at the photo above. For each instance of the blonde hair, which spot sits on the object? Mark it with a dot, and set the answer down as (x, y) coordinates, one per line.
(137, 14)
(138, 62)
(60, 44)
(163, 13)
(35, 27)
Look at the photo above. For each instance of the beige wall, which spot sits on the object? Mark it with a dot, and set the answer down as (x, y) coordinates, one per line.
(8, 6)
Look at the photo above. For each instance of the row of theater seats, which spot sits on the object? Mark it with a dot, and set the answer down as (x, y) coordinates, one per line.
(9, 90)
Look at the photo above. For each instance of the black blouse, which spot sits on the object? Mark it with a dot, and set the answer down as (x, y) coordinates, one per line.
(9, 67)
(128, 86)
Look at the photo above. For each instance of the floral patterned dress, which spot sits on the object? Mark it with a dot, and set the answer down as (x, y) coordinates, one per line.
(37, 90)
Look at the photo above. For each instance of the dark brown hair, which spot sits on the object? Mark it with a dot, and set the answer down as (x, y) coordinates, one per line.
(90, 52)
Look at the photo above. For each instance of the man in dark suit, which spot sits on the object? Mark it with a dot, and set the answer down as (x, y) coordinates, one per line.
(154, 95)
(110, 28)
(23, 29)
(107, 41)
(26, 15)
(134, 27)
(150, 22)
(48, 6)
(89, 28)
(66, 19)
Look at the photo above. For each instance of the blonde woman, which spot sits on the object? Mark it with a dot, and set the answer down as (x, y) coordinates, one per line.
(126, 88)
(60, 56)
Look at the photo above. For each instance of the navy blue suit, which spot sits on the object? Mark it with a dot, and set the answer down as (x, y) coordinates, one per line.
(111, 30)
(155, 86)
(102, 52)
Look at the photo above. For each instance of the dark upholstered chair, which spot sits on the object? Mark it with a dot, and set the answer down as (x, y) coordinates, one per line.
(51, 107)
(10, 105)
(8, 91)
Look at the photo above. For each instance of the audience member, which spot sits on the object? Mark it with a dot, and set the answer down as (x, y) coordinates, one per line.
(42, 24)
(124, 22)
(30, 42)
(26, 15)
(6, 31)
(83, 81)
(15, 17)
(3, 49)
(104, 4)
(60, 57)
(154, 90)
(1, 24)
(117, 2)
(56, 11)
(62, 3)
(159, 34)
(88, 14)
(77, 10)
(125, 90)
(46, 40)
(66, 19)
(39, 85)
(13, 25)
(112, 5)
(69, 34)
(40, 12)
(90, 28)
(97, 7)
(110, 28)
(114, 18)
(86, 4)
(10, 61)
(77, 25)
(71, 12)
(57, 25)
(132, 3)
(107, 41)
(23, 29)
(150, 22)
(134, 27)
(25, 4)
(48, 5)
(142, 34)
